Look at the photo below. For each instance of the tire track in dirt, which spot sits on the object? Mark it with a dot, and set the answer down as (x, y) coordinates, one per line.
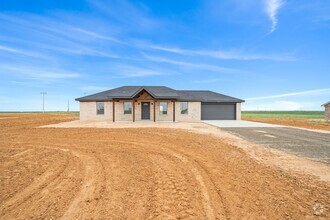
(28, 165)
(170, 198)
(39, 183)
(170, 182)
(86, 201)
(205, 194)
(41, 191)
(129, 183)
(24, 152)
(145, 173)
(173, 182)
(206, 185)
(198, 172)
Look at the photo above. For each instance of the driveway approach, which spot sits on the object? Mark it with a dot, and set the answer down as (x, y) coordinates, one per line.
(296, 141)
(239, 124)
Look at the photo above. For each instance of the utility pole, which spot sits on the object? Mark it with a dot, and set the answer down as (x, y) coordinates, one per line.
(68, 106)
(43, 101)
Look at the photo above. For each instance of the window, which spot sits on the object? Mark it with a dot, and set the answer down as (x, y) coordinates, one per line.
(100, 108)
(184, 108)
(127, 108)
(163, 108)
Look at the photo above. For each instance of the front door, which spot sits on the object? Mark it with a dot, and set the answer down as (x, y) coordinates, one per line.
(145, 111)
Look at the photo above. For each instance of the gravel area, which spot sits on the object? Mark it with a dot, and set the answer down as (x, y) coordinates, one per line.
(239, 124)
(309, 144)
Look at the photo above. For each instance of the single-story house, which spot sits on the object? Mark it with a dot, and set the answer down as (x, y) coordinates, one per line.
(327, 110)
(159, 103)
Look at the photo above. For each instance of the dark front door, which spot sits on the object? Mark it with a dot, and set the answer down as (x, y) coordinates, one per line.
(145, 111)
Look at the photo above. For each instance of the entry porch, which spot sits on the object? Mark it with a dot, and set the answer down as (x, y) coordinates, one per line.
(143, 110)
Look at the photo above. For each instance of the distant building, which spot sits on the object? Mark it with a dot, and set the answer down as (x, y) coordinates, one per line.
(327, 110)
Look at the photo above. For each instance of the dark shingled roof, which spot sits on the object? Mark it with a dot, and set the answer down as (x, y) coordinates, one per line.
(327, 103)
(159, 92)
(206, 96)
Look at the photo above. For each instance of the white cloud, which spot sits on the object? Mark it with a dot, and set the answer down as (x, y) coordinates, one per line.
(136, 16)
(127, 71)
(94, 88)
(207, 81)
(36, 73)
(57, 36)
(49, 26)
(225, 55)
(272, 8)
(317, 91)
(194, 65)
(21, 52)
(278, 105)
(98, 36)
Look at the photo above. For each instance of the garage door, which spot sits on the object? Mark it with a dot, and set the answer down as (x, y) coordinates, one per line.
(218, 111)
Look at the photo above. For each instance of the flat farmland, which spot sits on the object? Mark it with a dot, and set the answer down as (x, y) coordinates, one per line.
(302, 119)
(141, 173)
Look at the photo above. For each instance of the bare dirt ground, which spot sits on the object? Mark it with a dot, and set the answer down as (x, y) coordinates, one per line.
(141, 173)
(295, 122)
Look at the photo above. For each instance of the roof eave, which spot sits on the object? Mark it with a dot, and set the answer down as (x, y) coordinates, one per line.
(224, 101)
(325, 104)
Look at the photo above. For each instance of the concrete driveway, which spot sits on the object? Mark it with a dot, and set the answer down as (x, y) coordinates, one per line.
(239, 124)
(313, 145)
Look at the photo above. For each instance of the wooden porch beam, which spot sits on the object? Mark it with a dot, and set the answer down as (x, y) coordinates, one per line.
(133, 103)
(154, 111)
(173, 111)
(113, 111)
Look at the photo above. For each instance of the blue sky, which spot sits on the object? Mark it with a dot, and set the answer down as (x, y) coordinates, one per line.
(273, 53)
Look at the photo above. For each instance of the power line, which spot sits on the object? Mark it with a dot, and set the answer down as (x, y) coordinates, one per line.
(43, 101)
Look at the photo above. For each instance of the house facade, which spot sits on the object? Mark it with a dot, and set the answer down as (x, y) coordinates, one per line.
(158, 103)
(327, 110)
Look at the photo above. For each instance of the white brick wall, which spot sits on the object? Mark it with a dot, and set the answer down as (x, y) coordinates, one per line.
(327, 112)
(169, 115)
(119, 112)
(88, 111)
(194, 112)
(238, 111)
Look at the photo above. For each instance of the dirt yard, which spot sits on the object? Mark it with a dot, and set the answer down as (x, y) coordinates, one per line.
(318, 124)
(142, 173)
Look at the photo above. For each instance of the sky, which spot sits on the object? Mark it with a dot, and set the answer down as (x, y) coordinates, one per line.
(275, 54)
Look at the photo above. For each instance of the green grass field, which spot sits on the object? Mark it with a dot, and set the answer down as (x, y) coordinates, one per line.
(283, 114)
(245, 114)
(37, 112)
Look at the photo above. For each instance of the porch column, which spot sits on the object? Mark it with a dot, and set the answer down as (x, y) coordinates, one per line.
(173, 111)
(113, 111)
(154, 111)
(133, 103)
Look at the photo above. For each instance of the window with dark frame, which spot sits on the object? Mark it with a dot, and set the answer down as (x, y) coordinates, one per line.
(100, 108)
(184, 108)
(163, 108)
(127, 108)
